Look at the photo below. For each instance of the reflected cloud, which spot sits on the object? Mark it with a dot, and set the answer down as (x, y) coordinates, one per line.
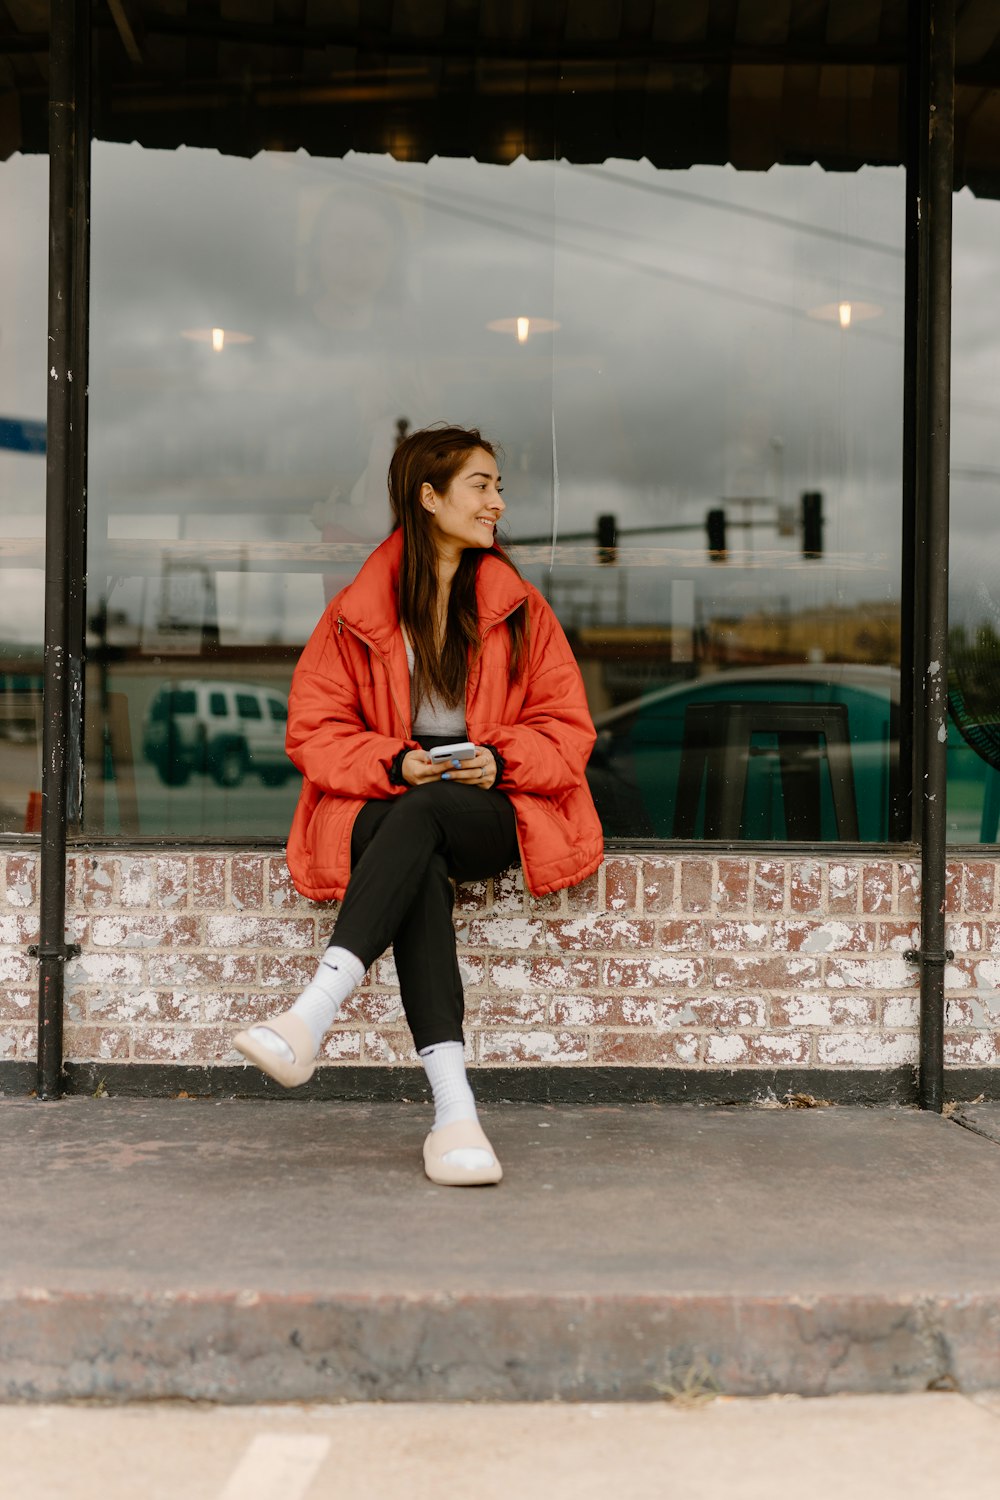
(683, 353)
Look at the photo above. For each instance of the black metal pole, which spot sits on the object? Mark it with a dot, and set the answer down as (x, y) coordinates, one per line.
(80, 361)
(69, 50)
(933, 559)
(908, 772)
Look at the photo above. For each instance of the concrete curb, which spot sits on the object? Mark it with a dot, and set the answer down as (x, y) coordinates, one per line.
(249, 1347)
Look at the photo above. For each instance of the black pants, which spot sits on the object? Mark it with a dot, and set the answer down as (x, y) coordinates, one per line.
(403, 852)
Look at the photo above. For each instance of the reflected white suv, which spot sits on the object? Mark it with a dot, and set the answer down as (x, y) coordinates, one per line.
(223, 728)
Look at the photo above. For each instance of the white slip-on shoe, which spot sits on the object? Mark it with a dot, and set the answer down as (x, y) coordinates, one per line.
(459, 1135)
(291, 1029)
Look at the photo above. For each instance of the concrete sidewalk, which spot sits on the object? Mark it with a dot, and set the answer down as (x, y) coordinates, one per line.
(912, 1447)
(263, 1250)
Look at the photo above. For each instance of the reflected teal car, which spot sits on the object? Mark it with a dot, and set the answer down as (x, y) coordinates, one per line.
(633, 770)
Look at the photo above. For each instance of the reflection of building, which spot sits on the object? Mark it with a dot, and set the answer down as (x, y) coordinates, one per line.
(21, 709)
(619, 662)
(20, 694)
(570, 167)
(182, 615)
(857, 633)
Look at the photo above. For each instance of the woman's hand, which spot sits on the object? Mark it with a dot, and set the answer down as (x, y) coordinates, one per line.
(418, 769)
(481, 770)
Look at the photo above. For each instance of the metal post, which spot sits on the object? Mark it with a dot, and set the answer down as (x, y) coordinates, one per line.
(932, 559)
(69, 53)
(908, 771)
(80, 364)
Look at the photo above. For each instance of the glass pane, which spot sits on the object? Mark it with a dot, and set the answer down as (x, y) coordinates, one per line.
(974, 678)
(23, 320)
(694, 370)
(727, 397)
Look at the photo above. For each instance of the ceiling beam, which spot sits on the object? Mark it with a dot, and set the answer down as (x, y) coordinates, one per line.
(362, 39)
(129, 27)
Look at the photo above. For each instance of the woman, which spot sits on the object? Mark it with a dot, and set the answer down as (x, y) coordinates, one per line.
(438, 640)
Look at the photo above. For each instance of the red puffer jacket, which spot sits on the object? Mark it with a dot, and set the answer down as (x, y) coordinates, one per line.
(349, 716)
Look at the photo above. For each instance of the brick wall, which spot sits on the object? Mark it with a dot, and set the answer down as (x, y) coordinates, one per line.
(656, 961)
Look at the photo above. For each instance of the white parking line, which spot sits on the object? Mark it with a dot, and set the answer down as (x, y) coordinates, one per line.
(276, 1466)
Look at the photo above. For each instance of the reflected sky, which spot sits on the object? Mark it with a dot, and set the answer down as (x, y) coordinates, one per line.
(689, 366)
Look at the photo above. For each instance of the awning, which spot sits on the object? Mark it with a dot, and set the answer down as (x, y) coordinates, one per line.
(751, 82)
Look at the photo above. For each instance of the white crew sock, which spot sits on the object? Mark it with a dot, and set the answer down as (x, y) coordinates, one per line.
(337, 977)
(444, 1064)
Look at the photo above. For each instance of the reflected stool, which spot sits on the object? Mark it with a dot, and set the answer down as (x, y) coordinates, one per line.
(990, 821)
(717, 749)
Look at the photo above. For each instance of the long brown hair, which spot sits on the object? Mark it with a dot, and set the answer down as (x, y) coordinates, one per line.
(434, 456)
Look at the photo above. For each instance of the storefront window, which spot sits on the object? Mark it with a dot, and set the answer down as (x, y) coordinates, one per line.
(728, 387)
(23, 237)
(694, 370)
(974, 682)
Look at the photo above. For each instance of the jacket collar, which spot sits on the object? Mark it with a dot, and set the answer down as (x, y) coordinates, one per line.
(370, 604)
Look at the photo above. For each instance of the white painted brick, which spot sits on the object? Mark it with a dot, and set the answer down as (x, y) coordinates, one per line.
(540, 974)
(574, 1010)
(778, 1048)
(967, 1011)
(472, 970)
(648, 973)
(867, 1050)
(901, 1012)
(175, 1046)
(15, 967)
(103, 968)
(725, 1049)
(829, 937)
(8, 1041)
(258, 932)
(108, 1044)
(508, 891)
(987, 973)
(395, 1047)
(964, 937)
(903, 941)
(137, 882)
(889, 973)
(686, 1048)
(19, 894)
(519, 933)
(138, 931)
(340, 1045)
(536, 1046)
(24, 1000)
(385, 970)
(12, 931)
(840, 877)
(975, 1048)
(825, 1010)
(145, 1007)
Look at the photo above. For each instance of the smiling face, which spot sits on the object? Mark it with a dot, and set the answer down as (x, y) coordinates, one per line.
(466, 514)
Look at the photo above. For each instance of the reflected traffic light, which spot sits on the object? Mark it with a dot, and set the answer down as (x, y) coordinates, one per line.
(607, 539)
(812, 523)
(715, 527)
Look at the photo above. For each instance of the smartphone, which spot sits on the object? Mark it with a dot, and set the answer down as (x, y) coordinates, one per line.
(462, 751)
